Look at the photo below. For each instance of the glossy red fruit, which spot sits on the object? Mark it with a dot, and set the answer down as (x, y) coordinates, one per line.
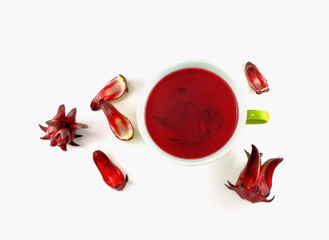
(111, 174)
(256, 80)
(119, 124)
(113, 90)
(255, 181)
(61, 129)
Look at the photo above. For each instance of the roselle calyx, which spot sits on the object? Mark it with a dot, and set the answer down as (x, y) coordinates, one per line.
(113, 90)
(61, 129)
(111, 174)
(256, 80)
(255, 181)
(119, 124)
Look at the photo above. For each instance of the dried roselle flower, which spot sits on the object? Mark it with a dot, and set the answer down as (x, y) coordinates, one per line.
(119, 124)
(111, 174)
(256, 80)
(112, 91)
(61, 129)
(255, 181)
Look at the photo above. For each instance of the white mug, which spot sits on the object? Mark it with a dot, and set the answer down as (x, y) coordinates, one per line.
(244, 115)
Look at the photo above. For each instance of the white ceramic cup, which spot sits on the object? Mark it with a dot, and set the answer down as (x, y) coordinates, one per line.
(242, 116)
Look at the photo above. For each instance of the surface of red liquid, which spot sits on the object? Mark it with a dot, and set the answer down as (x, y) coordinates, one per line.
(191, 113)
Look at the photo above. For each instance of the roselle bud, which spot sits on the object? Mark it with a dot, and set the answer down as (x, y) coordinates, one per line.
(256, 80)
(61, 129)
(119, 124)
(255, 181)
(111, 174)
(113, 90)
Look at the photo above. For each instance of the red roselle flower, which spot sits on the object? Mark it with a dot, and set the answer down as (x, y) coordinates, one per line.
(255, 181)
(111, 174)
(112, 91)
(61, 129)
(119, 124)
(256, 80)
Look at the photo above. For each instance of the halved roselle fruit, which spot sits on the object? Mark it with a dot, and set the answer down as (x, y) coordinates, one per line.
(256, 80)
(111, 174)
(112, 91)
(255, 181)
(119, 124)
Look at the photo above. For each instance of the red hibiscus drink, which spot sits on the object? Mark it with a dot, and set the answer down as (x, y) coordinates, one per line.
(191, 113)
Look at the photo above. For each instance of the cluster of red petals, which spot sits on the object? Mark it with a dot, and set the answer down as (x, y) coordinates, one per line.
(119, 124)
(111, 174)
(61, 129)
(256, 80)
(255, 181)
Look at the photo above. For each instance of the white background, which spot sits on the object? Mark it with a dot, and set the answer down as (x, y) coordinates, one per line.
(64, 52)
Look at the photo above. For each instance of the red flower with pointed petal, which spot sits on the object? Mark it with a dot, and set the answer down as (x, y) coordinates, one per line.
(256, 80)
(112, 91)
(61, 129)
(111, 174)
(119, 124)
(255, 181)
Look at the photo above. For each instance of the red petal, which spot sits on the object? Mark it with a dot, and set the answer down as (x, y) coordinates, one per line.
(250, 173)
(119, 124)
(267, 171)
(54, 123)
(63, 147)
(53, 141)
(70, 117)
(43, 128)
(60, 116)
(256, 80)
(76, 126)
(112, 91)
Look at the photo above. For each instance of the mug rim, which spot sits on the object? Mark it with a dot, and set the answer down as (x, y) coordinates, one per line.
(147, 89)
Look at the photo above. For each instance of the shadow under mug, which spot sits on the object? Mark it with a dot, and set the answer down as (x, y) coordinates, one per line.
(244, 116)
